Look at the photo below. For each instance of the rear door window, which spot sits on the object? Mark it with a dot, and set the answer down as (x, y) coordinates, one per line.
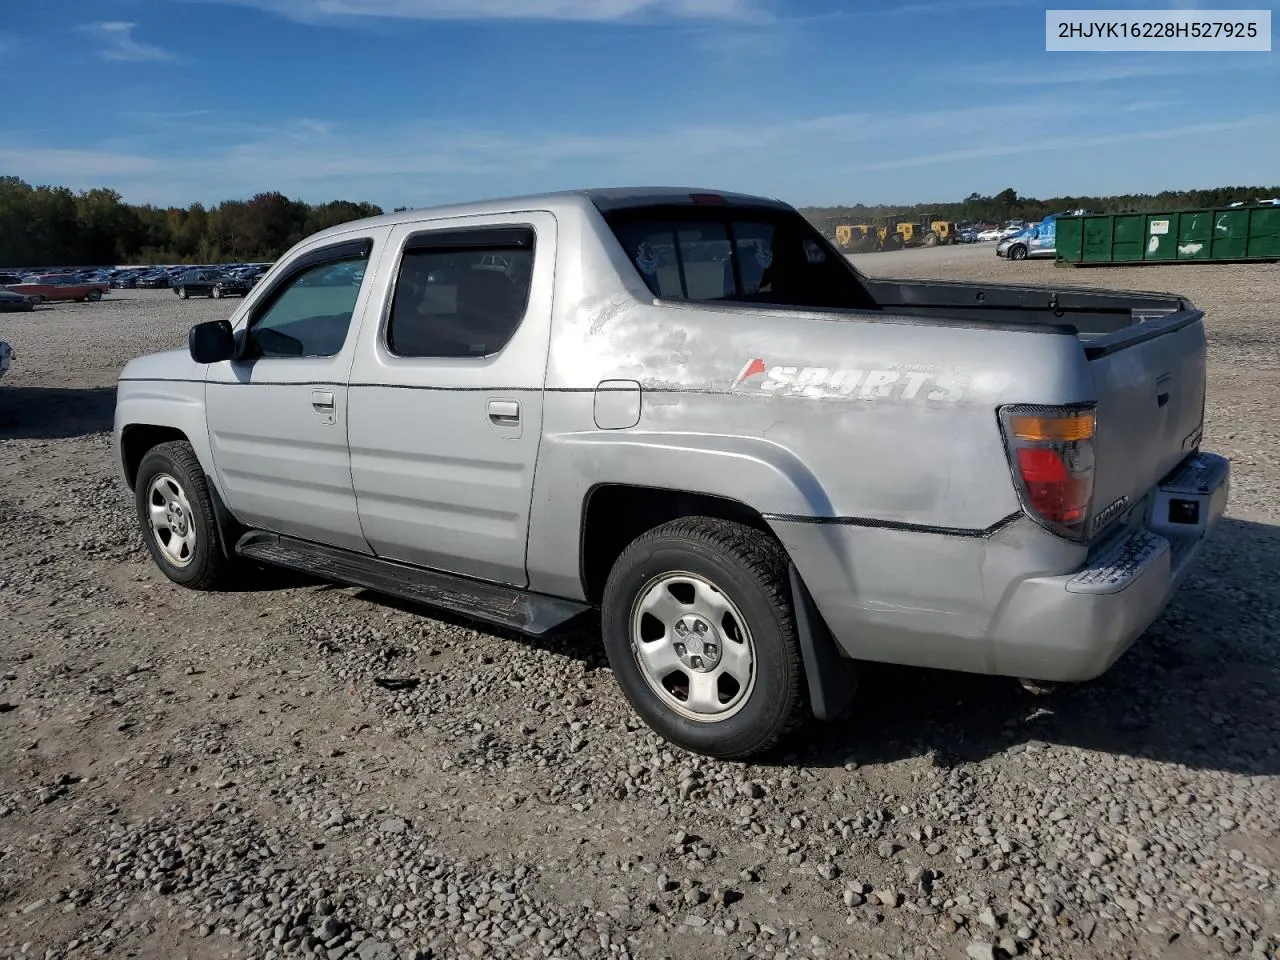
(461, 293)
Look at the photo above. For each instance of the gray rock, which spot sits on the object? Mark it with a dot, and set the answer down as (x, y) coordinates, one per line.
(1136, 845)
(980, 950)
(393, 826)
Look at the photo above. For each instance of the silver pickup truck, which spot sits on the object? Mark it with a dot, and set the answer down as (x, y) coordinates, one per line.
(688, 410)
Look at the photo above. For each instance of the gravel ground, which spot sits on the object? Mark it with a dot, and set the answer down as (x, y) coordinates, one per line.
(231, 776)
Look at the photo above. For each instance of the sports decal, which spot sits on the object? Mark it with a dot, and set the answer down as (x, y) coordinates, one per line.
(911, 383)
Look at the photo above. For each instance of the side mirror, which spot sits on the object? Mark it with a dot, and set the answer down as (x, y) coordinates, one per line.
(211, 342)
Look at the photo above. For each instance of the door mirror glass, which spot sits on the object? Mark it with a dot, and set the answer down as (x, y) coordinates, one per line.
(211, 342)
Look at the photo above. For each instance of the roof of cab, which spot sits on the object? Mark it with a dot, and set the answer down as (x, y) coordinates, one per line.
(604, 199)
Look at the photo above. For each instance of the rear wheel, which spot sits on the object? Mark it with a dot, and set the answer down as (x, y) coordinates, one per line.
(700, 632)
(930, 239)
(175, 513)
(216, 293)
(94, 296)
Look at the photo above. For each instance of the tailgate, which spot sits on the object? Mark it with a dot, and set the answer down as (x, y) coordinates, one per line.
(1150, 383)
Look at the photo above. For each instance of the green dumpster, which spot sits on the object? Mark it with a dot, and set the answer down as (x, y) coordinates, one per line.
(1220, 235)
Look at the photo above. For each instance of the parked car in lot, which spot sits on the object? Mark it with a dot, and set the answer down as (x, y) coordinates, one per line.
(991, 233)
(61, 288)
(11, 302)
(210, 283)
(1038, 491)
(231, 285)
(1038, 241)
(6, 358)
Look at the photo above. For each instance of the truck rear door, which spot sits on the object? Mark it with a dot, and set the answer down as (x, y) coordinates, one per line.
(446, 394)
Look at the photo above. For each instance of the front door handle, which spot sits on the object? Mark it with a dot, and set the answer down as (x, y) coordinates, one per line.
(504, 411)
(323, 404)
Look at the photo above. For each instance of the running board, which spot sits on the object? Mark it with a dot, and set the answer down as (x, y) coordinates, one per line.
(529, 613)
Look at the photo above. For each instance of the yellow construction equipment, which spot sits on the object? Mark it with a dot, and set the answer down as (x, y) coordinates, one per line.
(925, 232)
(856, 237)
(890, 233)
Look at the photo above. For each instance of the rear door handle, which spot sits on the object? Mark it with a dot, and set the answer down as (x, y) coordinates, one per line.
(504, 411)
(322, 399)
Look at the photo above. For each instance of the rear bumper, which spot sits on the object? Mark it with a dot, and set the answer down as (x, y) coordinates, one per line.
(1017, 602)
(1074, 627)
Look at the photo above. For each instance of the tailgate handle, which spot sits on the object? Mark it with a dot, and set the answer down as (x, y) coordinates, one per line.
(1162, 389)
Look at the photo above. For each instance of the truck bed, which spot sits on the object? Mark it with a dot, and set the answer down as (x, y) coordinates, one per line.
(1089, 313)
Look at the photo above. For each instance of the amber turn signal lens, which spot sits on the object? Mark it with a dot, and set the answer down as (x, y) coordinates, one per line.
(1060, 429)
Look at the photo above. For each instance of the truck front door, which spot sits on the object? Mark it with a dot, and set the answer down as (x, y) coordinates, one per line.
(277, 414)
(446, 394)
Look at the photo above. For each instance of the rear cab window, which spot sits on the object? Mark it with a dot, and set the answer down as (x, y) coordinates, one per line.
(736, 255)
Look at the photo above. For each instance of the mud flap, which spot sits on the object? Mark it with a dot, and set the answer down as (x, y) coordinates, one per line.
(832, 678)
(229, 528)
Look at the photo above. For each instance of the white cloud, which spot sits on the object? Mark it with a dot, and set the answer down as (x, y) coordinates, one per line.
(118, 43)
(1085, 68)
(56, 166)
(594, 11)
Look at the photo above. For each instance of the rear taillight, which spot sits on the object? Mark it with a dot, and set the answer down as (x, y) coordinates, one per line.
(1051, 454)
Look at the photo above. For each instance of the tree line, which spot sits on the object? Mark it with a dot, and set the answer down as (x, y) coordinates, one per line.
(46, 226)
(1009, 205)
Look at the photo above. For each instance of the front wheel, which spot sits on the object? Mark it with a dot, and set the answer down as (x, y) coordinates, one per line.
(1017, 252)
(175, 513)
(699, 630)
(94, 296)
(182, 293)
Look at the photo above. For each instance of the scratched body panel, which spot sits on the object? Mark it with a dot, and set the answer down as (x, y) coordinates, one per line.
(884, 420)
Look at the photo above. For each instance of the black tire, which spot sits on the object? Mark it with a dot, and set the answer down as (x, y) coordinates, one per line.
(216, 293)
(930, 239)
(208, 568)
(750, 569)
(1017, 252)
(182, 293)
(94, 296)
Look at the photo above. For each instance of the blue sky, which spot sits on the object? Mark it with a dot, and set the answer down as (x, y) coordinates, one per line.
(415, 102)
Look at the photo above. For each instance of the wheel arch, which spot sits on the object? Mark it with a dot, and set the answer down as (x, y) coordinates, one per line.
(137, 439)
(614, 514)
